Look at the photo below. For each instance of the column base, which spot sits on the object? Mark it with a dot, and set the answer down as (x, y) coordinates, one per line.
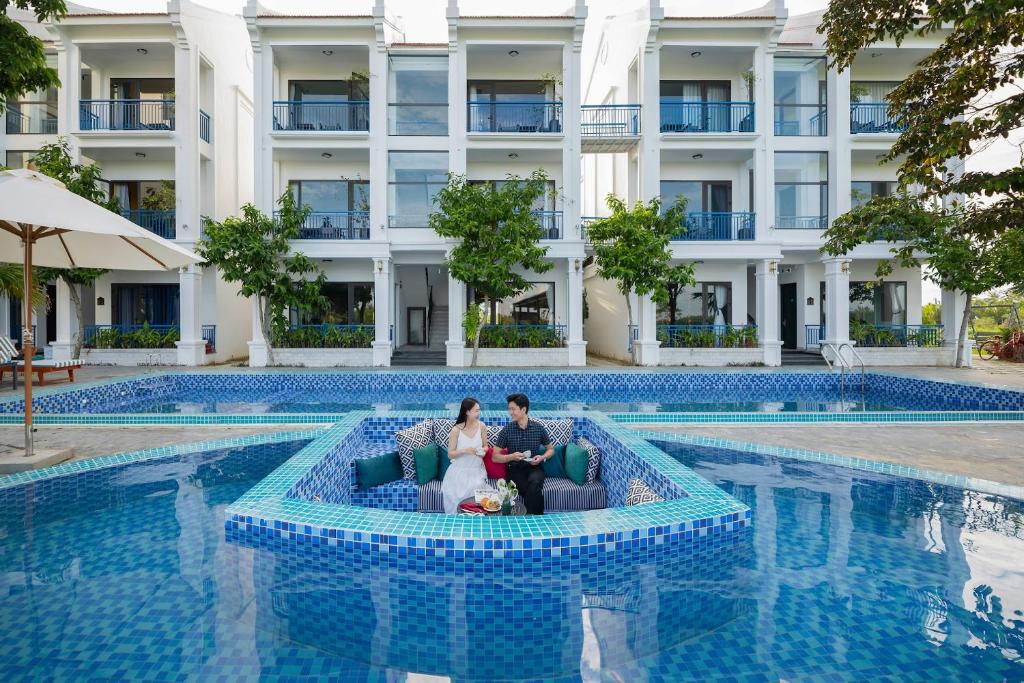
(381, 354)
(62, 351)
(968, 353)
(456, 354)
(191, 352)
(772, 353)
(646, 353)
(577, 353)
(259, 357)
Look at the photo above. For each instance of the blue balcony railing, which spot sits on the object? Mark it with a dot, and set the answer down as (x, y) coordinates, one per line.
(707, 336)
(326, 336)
(801, 120)
(882, 335)
(31, 118)
(204, 126)
(873, 117)
(126, 115)
(209, 333)
(157, 221)
(609, 120)
(550, 223)
(340, 115)
(717, 226)
(707, 117)
(813, 334)
(514, 117)
(510, 336)
(801, 222)
(142, 336)
(334, 225)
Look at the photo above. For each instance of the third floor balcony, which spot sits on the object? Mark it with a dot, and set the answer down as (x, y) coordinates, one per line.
(126, 114)
(322, 115)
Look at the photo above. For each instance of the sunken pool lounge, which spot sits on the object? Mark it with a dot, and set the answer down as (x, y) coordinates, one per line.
(314, 502)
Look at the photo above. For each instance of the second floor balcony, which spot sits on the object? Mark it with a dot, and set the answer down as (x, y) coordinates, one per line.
(535, 116)
(161, 222)
(717, 226)
(324, 116)
(31, 118)
(707, 117)
(124, 115)
(334, 225)
(873, 117)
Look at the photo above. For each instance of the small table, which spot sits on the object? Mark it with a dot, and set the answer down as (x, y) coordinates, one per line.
(518, 507)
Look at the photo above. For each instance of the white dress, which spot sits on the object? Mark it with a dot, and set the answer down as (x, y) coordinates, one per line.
(465, 474)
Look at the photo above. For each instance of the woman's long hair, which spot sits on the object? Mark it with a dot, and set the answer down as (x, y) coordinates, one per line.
(467, 405)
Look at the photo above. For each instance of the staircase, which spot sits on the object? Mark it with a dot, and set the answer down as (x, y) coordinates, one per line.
(798, 358)
(438, 329)
(435, 352)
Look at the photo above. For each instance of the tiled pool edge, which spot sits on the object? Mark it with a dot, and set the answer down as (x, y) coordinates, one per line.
(863, 464)
(87, 419)
(867, 417)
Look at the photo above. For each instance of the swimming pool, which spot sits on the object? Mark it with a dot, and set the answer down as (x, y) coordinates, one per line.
(629, 396)
(125, 572)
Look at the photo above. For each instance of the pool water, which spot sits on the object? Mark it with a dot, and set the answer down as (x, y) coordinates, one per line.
(846, 575)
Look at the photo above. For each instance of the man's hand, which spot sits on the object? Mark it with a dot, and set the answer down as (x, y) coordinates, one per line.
(512, 457)
(537, 459)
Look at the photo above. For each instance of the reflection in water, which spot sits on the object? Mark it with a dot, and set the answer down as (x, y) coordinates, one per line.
(843, 575)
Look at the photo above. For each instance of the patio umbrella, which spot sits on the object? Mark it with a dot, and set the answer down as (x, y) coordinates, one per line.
(44, 224)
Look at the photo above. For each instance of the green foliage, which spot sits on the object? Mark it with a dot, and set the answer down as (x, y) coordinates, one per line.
(706, 337)
(931, 314)
(12, 284)
(85, 180)
(325, 336)
(162, 199)
(22, 56)
(939, 102)
(497, 231)
(471, 322)
(632, 248)
(520, 337)
(254, 251)
(144, 337)
(677, 279)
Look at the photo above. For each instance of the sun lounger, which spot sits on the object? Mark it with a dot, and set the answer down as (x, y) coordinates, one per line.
(41, 368)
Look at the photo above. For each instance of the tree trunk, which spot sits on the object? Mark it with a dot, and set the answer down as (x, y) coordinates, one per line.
(629, 328)
(76, 299)
(476, 334)
(961, 342)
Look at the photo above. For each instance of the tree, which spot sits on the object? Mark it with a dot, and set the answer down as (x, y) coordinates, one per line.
(958, 259)
(22, 56)
(255, 251)
(632, 248)
(85, 180)
(12, 284)
(677, 279)
(958, 99)
(498, 235)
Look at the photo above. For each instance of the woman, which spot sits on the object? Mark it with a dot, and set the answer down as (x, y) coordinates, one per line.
(466, 446)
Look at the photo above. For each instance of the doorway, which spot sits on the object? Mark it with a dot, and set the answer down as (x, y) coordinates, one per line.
(416, 326)
(787, 315)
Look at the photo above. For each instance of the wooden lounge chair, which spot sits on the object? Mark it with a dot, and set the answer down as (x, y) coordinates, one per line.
(9, 358)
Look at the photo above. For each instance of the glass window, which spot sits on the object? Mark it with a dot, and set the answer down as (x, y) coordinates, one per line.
(331, 196)
(418, 96)
(350, 303)
(700, 195)
(413, 180)
(143, 194)
(328, 91)
(18, 159)
(801, 190)
(544, 203)
(800, 96)
(862, 191)
(706, 303)
(535, 306)
(695, 91)
(138, 304)
(874, 303)
(871, 91)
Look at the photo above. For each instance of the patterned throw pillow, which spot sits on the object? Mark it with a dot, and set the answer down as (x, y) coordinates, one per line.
(593, 458)
(560, 431)
(640, 492)
(443, 427)
(409, 440)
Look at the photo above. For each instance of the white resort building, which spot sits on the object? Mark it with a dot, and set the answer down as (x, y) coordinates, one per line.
(191, 113)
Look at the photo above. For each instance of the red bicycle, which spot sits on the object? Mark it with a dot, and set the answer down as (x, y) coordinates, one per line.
(997, 347)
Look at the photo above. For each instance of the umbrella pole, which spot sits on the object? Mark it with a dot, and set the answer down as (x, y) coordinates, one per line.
(27, 341)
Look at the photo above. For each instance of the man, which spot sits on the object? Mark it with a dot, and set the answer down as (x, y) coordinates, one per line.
(518, 436)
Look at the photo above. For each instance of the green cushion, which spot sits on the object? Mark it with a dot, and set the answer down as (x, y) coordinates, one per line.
(443, 461)
(555, 465)
(425, 458)
(378, 470)
(576, 463)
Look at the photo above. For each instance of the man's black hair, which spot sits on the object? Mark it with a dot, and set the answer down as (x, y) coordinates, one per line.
(520, 400)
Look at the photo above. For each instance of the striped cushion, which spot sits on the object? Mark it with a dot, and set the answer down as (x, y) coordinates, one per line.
(409, 440)
(431, 497)
(7, 349)
(593, 458)
(52, 363)
(640, 492)
(565, 495)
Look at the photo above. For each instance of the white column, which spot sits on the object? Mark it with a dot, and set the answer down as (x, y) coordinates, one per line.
(764, 147)
(378, 143)
(63, 345)
(574, 298)
(263, 153)
(650, 140)
(69, 68)
(767, 311)
(839, 171)
(456, 105)
(952, 316)
(381, 312)
(192, 346)
(259, 356)
(645, 350)
(456, 344)
(5, 317)
(571, 146)
(837, 300)
(186, 146)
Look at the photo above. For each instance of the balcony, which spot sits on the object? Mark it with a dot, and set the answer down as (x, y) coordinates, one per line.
(801, 222)
(334, 225)
(609, 127)
(31, 118)
(717, 226)
(707, 117)
(514, 117)
(882, 335)
(158, 221)
(873, 117)
(119, 115)
(337, 116)
(550, 223)
(707, 336)
(204, 126)
(801, 120)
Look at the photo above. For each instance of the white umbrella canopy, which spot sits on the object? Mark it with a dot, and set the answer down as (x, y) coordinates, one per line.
(44, 224)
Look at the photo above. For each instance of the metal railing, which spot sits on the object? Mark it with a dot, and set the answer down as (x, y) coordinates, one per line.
(718, 226)
(538, 116)
(873, 117)
(209, 333)
(813, 334)
(801, 119)
(31, 118)
(707, 336)
(550, 223)
(609, 120)
(327, 336)
(844, 364)
(407, 118)
(502, 336)
(157, 221)
(882, 335)
(334, 225)
(707, 117)
(204, 126)
(340, 115)
(126, 115)
(142, 336)
(801, 222)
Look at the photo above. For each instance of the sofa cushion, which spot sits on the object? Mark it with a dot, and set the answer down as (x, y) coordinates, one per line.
(559, 431)
(640, 492)
(443, 461)
(380, 469)
(409, 440)
(555, 465)
(431, 497)
(425, 458)
(443, 427)
(564, 495)
(576, 463)
(593, 458)
(495, 470)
